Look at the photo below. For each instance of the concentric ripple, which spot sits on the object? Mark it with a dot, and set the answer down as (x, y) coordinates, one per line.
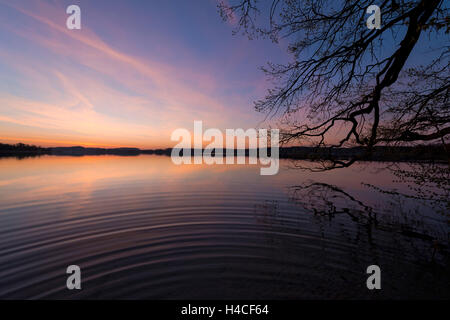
(141, 227)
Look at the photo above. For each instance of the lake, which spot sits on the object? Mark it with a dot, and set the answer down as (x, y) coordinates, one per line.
(142, 227)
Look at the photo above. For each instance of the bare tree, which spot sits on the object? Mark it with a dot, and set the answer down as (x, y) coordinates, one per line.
(348, 84)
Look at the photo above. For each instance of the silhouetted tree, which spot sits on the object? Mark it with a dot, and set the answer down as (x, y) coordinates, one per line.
(348, 81)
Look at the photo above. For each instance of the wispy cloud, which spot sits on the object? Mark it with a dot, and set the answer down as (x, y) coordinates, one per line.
(78, 82)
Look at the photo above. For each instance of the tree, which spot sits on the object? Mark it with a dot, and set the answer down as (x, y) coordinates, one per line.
(348, 81)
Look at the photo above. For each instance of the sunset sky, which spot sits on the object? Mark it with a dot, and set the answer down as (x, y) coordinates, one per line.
(136, 71)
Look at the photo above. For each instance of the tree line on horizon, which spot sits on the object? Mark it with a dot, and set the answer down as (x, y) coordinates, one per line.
(392, 153)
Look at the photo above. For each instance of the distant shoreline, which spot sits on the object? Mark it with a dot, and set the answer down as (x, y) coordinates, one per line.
(379, 153)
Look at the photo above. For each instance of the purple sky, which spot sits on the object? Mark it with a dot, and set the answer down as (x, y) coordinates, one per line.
(136, 71)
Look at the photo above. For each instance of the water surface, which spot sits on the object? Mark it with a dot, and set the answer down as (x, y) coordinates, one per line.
(141, 227)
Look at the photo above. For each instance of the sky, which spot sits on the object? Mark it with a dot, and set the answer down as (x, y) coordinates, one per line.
(135, 72)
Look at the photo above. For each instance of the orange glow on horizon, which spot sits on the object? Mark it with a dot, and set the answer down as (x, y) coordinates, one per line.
(79, 89)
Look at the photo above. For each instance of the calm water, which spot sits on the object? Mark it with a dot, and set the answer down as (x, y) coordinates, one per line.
(141, 227)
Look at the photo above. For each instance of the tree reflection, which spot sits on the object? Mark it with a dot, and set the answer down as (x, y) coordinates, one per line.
(427, 182)
(397, 214)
